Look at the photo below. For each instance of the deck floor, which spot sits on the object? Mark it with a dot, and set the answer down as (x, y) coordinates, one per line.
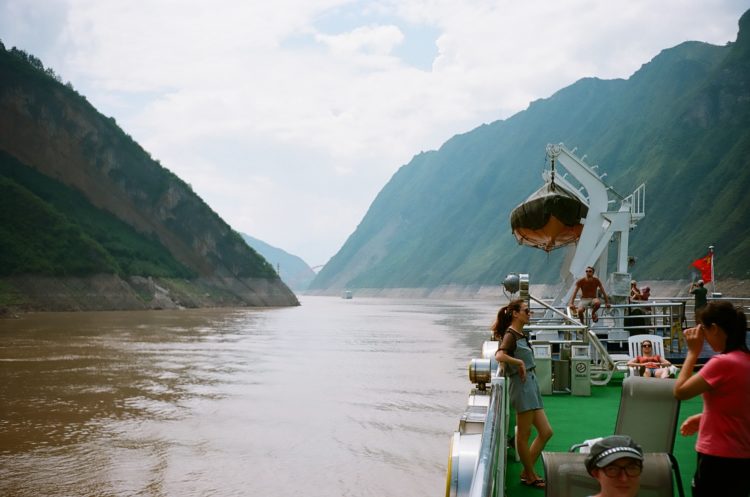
(595, 416)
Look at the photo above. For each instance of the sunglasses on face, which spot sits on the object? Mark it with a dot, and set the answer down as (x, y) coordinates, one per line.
(614, 471)
(647, 345)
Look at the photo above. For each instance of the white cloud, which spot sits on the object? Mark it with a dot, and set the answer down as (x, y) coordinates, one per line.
(288, 117)
(376, 40)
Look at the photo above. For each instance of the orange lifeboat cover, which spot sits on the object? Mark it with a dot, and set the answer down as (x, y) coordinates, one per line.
(550, 218)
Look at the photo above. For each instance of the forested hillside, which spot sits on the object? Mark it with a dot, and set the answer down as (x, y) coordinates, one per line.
(84, 211)
(681, 124)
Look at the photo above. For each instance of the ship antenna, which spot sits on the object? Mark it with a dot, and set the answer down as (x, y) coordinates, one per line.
(552, 171)
(552, 152)
(552, 175)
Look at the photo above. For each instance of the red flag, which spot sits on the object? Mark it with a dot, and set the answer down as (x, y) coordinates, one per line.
(704, 266)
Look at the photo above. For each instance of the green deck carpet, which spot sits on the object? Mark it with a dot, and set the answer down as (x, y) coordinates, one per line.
(575, 419)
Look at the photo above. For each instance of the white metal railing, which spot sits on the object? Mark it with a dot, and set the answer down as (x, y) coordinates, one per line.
(601, 351)
(571, 322)
(637, 201)
(742, 302)
(666, 316)
(489, 475)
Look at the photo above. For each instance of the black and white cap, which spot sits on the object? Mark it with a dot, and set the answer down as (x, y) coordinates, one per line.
(610, 449)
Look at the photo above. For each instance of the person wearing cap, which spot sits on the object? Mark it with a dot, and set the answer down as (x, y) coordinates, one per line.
(616, 462)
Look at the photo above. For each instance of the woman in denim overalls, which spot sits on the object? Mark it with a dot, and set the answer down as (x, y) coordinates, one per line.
(517, 357)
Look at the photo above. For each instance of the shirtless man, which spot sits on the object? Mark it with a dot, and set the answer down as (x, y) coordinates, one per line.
(588, 285)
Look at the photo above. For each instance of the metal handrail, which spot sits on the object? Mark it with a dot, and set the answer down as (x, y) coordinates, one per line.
(740, 299)
(562, 327)
(566, 317)
(492, 453)
(601, 350)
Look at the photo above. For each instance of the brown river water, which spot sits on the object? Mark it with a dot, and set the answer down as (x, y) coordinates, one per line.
(333, 398)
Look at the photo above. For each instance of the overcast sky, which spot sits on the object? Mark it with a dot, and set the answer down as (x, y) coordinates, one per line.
(289, 116)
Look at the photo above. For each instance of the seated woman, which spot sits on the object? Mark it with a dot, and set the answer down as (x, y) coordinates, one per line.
(650, 364)
(635, 292)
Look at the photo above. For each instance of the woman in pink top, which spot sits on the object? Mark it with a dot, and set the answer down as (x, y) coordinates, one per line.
(723, 427)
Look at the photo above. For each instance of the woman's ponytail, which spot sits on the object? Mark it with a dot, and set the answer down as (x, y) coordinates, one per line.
(736, 339)
(504, 318)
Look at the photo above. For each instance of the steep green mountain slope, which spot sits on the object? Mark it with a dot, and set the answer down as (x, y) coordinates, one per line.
(49, 228)
(86, 211)
(681, 124)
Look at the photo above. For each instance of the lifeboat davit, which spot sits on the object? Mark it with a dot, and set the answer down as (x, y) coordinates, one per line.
(550, 218)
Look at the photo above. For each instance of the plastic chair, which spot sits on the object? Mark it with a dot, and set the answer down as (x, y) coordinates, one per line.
(567, 476)
(604, 364)
(649, 415)
(634, 347)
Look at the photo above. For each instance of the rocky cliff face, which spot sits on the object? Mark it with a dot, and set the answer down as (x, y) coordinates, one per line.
(78, 147)
(104, 292)
(55, 131)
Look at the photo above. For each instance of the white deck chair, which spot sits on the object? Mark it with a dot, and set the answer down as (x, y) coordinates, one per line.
(634, 346)
(604, 364)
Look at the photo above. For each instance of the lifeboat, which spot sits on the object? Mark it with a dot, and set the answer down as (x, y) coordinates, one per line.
(549, 219)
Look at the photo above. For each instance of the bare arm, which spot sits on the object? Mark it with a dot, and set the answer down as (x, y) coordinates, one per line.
(634, 363)
(688, 385)
(691, 424)
(575, 292)
(606, 297)
(502, 355)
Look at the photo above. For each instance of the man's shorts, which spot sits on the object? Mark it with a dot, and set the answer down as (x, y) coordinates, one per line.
(586, 303)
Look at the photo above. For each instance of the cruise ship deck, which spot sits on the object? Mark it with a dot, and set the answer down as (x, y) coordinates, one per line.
(575, 419)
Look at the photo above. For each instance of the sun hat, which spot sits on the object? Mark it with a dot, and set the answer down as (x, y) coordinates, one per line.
(609, 449)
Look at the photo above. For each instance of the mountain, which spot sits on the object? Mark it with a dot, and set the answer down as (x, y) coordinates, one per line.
(293, 270)
(681, 124)
(88, 220)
